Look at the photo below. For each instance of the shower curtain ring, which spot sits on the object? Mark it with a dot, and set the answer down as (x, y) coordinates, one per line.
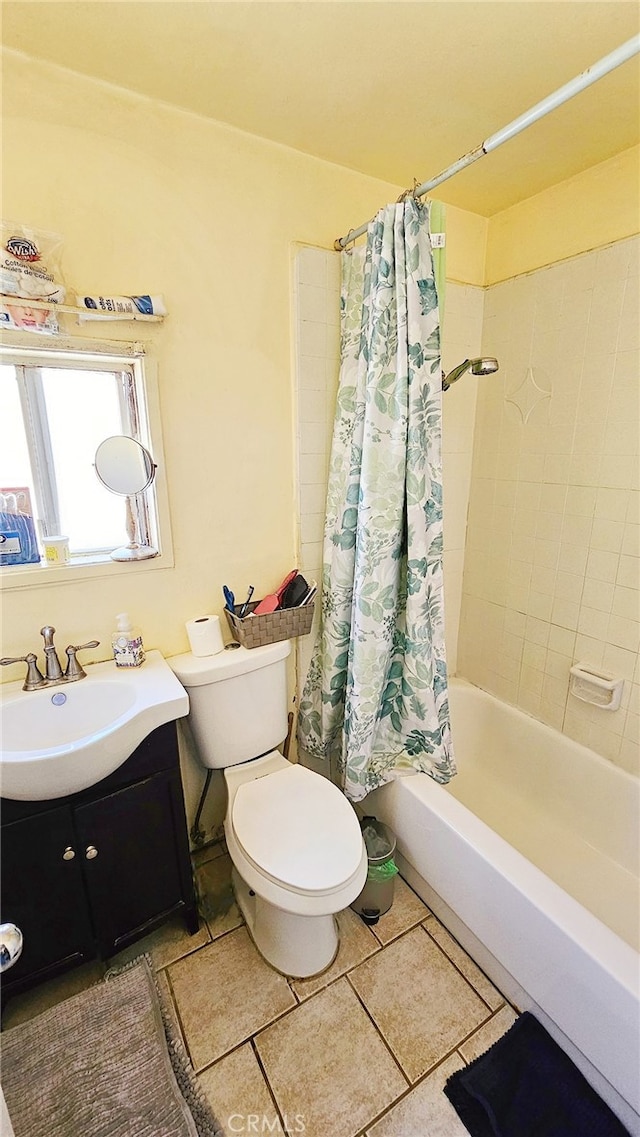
(409, 192)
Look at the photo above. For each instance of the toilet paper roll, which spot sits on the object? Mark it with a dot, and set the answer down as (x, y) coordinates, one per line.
(205, 635)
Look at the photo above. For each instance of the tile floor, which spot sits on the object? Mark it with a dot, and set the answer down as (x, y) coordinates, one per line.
(362, 1050)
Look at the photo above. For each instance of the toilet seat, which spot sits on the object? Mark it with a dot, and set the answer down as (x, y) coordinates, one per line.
(298, 830)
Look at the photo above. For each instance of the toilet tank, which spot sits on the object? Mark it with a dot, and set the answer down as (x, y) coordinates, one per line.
(237, 701)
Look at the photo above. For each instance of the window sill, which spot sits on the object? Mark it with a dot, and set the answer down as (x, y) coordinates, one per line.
(14, 577)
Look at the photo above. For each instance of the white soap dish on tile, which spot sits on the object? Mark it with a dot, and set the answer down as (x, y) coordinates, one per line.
(599, 688)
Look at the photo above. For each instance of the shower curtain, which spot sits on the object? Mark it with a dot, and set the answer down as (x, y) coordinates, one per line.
(375, 698)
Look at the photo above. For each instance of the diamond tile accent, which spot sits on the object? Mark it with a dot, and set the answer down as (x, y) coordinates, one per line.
(528, 394)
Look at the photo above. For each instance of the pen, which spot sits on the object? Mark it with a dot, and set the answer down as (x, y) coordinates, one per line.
(243, 610)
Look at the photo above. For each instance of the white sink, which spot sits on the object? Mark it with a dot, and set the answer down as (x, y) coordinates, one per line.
(63, 739)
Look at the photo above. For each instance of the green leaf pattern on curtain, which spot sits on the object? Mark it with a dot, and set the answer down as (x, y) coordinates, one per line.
(376, 692)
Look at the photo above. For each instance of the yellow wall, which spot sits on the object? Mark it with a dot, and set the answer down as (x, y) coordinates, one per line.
(152, 199)
(466, 246)
(594, 208)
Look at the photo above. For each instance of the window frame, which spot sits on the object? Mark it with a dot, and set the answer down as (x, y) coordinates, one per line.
(19, 348)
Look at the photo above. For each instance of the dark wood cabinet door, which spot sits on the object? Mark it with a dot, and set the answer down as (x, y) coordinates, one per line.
(43, 893)
(127, 865)
(129, 857)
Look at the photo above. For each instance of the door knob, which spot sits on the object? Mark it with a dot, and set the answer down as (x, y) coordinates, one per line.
(90, 852)
(68, 854)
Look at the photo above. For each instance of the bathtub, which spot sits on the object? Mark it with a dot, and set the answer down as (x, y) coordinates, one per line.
(530, 858)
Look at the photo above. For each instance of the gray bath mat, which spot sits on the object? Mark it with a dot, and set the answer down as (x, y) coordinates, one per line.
(106, 1063)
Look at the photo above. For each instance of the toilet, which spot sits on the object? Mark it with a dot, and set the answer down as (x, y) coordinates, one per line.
(293, 837)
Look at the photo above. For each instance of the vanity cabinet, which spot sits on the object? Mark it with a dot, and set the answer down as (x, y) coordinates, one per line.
(51, 912)
(86, 875)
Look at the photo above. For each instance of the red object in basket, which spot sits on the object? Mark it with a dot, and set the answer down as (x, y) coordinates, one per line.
(272, 601)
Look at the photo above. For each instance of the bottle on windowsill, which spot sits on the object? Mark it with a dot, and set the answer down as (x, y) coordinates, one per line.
(127, 643)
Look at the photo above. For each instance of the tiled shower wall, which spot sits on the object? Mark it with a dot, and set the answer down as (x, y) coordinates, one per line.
(317, 310)
(551, 573)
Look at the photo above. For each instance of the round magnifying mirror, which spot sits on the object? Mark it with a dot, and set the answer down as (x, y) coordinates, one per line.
(126, 467)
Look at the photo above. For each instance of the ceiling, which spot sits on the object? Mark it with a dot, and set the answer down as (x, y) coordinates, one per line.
(398, 90)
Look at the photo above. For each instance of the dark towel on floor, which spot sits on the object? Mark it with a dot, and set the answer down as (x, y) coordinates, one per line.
(526, 1086)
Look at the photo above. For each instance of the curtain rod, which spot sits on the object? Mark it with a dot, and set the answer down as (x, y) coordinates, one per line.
(608, 63)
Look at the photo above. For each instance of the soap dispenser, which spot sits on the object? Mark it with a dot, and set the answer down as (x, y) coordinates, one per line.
(127, 643)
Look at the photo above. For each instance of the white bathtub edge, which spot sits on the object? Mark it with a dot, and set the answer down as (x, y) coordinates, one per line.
(516, 994)
(570, 965)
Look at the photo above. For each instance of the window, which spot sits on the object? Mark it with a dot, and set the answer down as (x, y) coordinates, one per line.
(56, 407)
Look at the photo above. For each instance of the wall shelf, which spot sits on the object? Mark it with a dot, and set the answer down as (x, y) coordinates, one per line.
(87, 313)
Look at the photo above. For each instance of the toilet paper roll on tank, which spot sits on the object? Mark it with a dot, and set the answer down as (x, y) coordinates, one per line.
(205, 635)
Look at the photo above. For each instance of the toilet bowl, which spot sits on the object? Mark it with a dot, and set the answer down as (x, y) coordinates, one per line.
(293, 838)
(298, 858)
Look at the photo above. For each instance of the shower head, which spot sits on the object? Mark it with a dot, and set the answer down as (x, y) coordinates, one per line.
(484, 366)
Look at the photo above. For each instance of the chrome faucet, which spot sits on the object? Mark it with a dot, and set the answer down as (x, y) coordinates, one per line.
(53, 670)
(54, 674)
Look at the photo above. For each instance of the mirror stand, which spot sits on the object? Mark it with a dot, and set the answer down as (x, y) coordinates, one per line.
(125, 467)
(134, 551)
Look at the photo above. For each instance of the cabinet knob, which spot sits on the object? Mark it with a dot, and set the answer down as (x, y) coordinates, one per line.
(68, 854)
(90, 852)
(10, 945)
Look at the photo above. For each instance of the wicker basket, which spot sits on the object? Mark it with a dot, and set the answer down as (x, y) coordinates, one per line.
(257, 631)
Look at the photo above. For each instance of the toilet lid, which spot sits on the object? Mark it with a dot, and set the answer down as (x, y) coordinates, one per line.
(299, 828)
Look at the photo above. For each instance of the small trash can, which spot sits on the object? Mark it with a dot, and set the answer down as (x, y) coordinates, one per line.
(376, 897)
